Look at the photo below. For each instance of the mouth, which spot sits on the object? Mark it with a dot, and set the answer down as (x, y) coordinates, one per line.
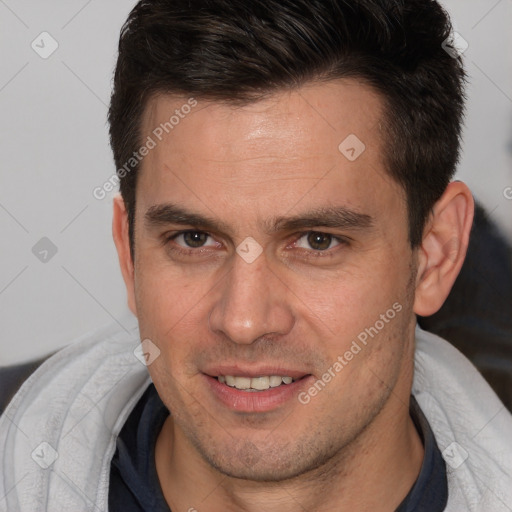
(261, 383)
(257, 392)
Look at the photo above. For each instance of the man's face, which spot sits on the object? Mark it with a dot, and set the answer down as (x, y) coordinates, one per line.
(335, 263)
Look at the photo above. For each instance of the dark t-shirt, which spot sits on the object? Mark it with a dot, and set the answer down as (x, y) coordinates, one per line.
(134, 485)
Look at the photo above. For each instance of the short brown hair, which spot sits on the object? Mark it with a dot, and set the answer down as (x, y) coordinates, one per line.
(231, 51)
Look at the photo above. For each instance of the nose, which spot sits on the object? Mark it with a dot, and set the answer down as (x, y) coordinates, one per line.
(252, 302)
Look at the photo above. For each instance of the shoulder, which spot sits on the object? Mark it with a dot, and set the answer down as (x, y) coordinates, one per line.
(12, 378)
(472, 427)
(93, 345)
(76, 401)
(446, 374)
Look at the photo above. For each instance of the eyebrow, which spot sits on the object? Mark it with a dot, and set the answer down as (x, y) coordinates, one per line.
(331, 217)
(338, 217)
(163, 214)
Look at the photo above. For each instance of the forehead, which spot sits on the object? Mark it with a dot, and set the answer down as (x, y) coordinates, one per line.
(321, 143)
(318, 113)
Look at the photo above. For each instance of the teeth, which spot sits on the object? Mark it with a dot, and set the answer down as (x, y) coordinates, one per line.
(254, 383)
(242, 382)
(260, 383)
(275, 381)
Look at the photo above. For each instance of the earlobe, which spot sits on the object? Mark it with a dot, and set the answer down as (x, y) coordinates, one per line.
(443, 248)
(121, 237)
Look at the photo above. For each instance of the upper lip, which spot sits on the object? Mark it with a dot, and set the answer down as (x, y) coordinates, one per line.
(254, 371)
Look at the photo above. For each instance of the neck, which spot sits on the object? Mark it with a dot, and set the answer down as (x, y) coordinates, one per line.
(374, 472)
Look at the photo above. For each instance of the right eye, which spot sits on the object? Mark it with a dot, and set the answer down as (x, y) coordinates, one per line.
(192, 239)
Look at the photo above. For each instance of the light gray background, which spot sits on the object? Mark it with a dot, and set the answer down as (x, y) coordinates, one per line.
(54, 151)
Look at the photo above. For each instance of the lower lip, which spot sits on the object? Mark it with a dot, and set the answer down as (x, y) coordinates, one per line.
(257, 401)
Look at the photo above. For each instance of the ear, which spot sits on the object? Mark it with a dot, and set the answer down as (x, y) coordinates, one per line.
(443, 249)
(122, 241)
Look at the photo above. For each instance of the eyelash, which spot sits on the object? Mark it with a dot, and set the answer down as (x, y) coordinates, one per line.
(312, 253)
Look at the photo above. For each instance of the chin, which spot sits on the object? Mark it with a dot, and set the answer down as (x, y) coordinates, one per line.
(278, 463)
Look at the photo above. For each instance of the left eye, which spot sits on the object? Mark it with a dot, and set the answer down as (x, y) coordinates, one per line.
(193, 239)
(317, 241)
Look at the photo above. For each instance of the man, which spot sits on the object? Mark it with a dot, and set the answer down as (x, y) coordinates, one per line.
(286, 211)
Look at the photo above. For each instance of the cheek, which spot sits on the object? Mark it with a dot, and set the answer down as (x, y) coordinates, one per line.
(172, 313)
(345, 303)
(168, 297)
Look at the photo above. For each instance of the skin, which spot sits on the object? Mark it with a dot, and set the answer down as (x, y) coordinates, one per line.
(354, 445)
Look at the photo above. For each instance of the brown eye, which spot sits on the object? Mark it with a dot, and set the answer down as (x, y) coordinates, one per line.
(195, 239)
(319, 241)
(316, 241)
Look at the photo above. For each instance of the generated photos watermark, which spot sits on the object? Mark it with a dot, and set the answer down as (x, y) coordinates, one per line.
(146, 352)
(455, 455)
(151, 142)
(356, 347)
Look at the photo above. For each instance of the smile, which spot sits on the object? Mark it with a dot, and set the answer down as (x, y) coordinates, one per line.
(255, 383)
